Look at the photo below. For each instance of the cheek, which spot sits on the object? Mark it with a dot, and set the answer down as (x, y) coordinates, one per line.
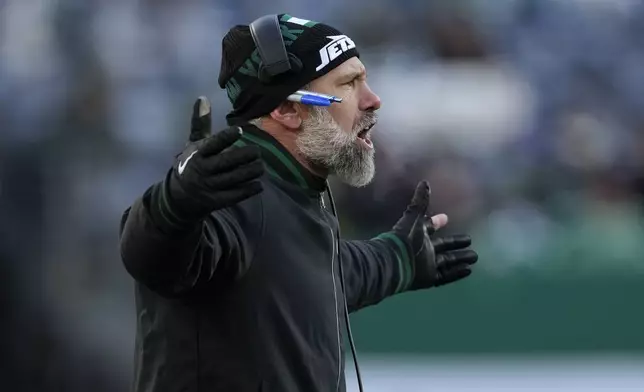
(348, 124)
(346, 117)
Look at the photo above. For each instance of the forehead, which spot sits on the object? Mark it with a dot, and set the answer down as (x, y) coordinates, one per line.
(351, 67)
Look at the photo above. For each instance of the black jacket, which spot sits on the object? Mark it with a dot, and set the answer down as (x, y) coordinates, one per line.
(251, 299)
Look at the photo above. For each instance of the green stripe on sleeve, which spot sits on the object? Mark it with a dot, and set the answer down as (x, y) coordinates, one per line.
(404, 267)
(400, 285)
(174, 220)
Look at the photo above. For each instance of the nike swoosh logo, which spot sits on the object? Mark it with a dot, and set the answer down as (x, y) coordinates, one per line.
(182, 165)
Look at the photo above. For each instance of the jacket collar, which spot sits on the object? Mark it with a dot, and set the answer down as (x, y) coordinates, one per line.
(279, 162)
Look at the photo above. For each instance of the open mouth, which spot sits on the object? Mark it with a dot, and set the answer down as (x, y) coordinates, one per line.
(364, 136)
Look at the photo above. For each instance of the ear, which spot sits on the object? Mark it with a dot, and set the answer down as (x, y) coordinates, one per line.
(289, 114)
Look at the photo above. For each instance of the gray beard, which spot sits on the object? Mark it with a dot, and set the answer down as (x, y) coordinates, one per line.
(324, 144)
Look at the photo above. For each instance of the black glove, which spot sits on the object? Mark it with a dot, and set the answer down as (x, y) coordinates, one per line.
(207, 175)
(435, 261)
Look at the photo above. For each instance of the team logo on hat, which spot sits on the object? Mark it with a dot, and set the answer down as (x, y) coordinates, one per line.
(338, 45)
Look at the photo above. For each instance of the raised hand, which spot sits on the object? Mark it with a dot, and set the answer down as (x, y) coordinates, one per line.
(436, 261)
(209, 175)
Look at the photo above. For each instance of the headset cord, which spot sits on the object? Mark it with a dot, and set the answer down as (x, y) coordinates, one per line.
(346, 307)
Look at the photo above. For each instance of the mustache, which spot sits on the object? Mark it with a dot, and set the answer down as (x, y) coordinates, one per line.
(368, 120)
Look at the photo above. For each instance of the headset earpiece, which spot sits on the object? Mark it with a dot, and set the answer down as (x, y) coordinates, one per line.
(275, 60)
(266, 77)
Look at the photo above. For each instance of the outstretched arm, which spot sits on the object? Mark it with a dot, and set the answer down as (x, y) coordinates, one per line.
(212, 253)
(409, 257)
(198, 225)
(374, 269)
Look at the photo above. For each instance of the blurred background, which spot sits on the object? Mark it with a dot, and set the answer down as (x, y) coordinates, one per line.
(527, 117)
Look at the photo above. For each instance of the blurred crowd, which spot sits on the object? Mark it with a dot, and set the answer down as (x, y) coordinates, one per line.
(525, 115)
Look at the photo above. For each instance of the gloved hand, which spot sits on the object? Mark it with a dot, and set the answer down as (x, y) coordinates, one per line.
(435, 261)
(207, 176)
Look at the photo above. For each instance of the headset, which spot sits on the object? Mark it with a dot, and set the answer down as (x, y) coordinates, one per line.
(276, 62)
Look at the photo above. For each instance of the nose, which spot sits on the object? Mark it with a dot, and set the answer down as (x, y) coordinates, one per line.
(370, 101)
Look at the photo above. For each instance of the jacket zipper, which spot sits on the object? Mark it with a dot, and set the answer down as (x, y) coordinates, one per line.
(335, 303)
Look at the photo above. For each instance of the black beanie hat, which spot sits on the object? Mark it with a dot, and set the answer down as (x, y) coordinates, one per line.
(319, 47)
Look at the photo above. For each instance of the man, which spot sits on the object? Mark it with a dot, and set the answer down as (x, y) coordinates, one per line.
(234, 253)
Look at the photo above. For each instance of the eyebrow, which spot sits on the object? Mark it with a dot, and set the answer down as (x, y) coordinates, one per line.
(353, 75)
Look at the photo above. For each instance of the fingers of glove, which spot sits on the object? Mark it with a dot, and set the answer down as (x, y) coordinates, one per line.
(417, 235)
(236, 176)
(230, 197)
(454, 275)
(200, 123)
(414, 216)
(449, 260)
(452, 242)
(229, 160)
(220, 141)
(420, 201)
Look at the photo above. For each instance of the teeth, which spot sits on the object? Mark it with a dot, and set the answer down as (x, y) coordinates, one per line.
(364, 131)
